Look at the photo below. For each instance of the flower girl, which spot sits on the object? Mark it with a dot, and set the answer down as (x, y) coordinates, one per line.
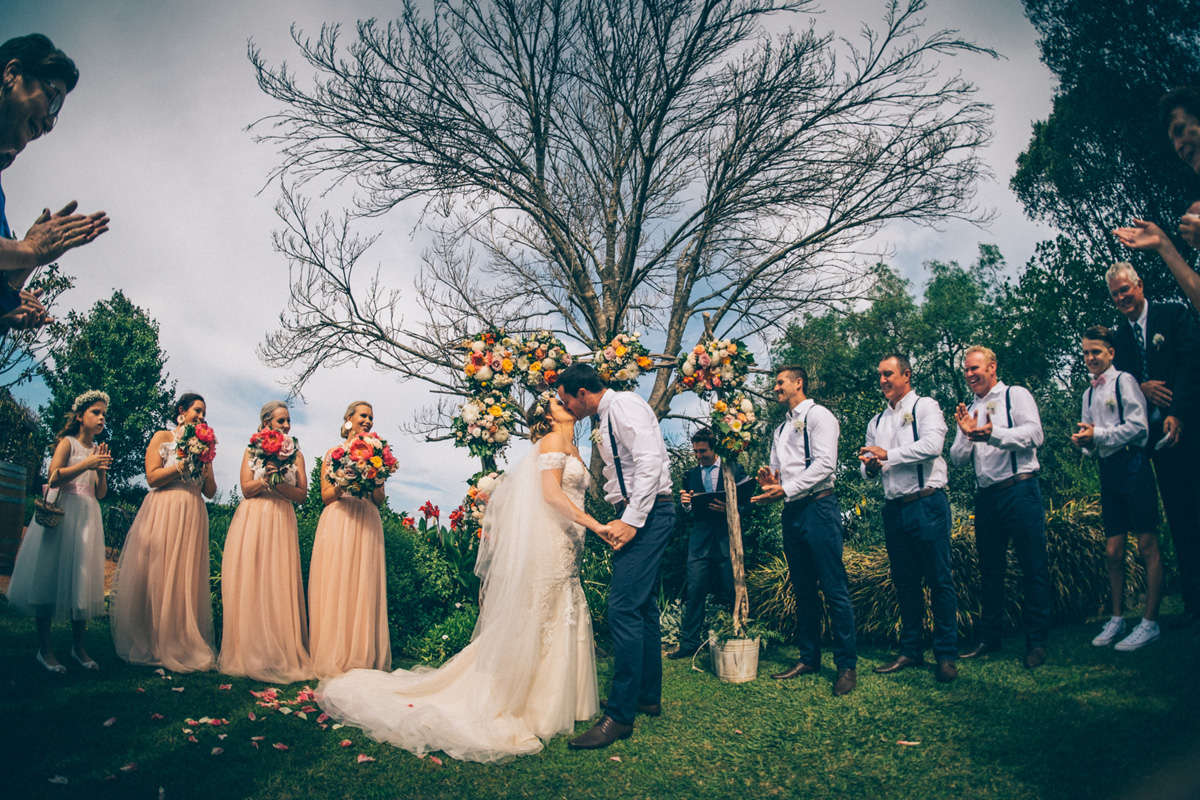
(60, 570)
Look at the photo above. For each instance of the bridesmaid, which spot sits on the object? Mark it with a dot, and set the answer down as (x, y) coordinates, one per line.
(161, 610)
(347, 583)
(266, 627)
(60, 570)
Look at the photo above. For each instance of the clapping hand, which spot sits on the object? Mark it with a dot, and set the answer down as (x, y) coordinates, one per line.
(772, 488)
(1142, 235)
(970, 426)
(100, 459)
(52, 235)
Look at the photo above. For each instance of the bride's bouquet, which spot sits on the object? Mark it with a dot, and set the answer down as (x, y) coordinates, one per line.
(275, 447)
(362, 465)
(195, 446)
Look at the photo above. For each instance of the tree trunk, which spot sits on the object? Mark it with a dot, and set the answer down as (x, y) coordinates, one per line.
(741, 600)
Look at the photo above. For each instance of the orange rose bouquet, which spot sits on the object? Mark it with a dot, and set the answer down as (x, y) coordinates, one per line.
(362, 465)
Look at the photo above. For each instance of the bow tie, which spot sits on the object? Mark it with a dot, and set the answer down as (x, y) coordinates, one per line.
(1097, 381)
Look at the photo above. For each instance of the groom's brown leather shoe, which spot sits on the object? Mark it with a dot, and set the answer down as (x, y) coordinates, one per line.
(900, 663)
(800, 669)
(602, 734)
(649, 709)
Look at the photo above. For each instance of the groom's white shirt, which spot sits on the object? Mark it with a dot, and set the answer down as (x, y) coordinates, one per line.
(643, 454)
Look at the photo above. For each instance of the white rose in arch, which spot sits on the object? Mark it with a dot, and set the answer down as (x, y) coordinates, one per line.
(746, 406)
(484, 374)
(477, 347)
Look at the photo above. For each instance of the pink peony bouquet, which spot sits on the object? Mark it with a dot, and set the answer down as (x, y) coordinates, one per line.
(274, 447)
(362, 465)
(195, 446)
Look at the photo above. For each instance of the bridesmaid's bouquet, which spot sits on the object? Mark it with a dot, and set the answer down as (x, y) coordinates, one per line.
(275, 447)
(196, 446)
(361, 465)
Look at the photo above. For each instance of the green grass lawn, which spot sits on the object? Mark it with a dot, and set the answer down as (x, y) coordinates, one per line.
(1091, 723)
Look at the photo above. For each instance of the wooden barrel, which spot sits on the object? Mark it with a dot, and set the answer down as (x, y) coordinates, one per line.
(12, 513)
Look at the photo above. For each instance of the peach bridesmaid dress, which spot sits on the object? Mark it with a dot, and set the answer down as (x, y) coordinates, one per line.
(161, 606)
(265, 633)
(347, 590)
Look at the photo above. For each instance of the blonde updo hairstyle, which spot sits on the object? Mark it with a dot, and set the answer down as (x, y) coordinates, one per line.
(539, 421)
(344, 431)
(268, 411)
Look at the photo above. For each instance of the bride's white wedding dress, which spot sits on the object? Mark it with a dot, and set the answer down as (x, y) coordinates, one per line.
(529, 672)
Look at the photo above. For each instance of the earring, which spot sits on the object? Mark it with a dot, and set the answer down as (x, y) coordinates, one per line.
(179, 419)
(347, 426)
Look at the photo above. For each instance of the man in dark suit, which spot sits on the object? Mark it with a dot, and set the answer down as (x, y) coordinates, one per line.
(1159, 344)
(708, 548)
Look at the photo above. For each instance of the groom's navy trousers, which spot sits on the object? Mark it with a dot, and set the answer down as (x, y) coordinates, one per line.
(633, 616)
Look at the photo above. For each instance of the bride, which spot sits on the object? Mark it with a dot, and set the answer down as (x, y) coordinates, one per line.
(529, 672)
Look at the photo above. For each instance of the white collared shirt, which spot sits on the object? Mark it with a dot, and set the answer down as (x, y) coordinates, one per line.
(716, 476)
(643, 453)
(1116, 424)
(994, 458)
(787, 450)
(913, 463)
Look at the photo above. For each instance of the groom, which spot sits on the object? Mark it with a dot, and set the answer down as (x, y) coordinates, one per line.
(637, 481)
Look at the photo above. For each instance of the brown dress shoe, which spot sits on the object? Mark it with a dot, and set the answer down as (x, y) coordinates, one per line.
(602, 734)
(900, 663)
(800, 669)
(847, 679)
(1035, 657)
(650, 710)
(946, 671)
(981, 649)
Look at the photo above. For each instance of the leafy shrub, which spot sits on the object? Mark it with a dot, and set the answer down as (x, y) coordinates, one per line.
(444, 639)
(1075, 544)
(420, 582)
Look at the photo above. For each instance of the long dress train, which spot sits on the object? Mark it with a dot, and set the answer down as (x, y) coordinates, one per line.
(529, 672)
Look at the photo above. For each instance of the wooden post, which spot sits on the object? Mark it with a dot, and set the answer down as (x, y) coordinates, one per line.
(741, 599)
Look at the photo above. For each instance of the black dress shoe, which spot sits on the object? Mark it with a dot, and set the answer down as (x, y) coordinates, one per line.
(1185, 620)
(981, 649)
(650, 710)
(901, 662)
(602, 734)
(847, 679)
(1035, 657)
(945, 671)
(683, 652)
(800, 669)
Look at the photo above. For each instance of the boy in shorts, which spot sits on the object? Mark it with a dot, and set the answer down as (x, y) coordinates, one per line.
(1115, 427)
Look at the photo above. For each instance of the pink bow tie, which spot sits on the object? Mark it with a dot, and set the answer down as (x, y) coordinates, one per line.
(1097, 381)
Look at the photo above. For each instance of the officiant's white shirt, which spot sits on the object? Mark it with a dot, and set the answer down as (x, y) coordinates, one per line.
(643, 453)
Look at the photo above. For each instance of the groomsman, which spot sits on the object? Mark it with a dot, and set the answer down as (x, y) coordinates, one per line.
(637, 481)
(803, 459)
(999, 435)
(708, 548)
(1159, 344)
(904, 445)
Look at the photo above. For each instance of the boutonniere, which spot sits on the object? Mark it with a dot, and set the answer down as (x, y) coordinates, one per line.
(907, 419)
(1158, 339)
(596, 436)
(798, 425)
(991, 406)
(1110, 404)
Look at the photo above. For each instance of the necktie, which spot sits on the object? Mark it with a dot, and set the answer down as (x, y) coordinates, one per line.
(1141, 343)
(709, 484)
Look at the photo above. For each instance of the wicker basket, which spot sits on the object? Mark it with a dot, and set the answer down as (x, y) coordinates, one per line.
(46, 511)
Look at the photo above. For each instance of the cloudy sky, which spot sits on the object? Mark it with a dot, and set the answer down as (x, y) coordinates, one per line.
(155, 134)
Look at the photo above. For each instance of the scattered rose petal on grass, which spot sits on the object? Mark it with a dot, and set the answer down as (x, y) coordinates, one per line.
(201, 721)
(130, 767)
(156, 716)
(284, 710)
(308, 709)
(191, 738)
(190, 721)
(222, 736)
(59, 779)
(216, 722)
(337, 725)
(188, 730)
(345, 743)
(160, 671)
(140, 690)
(434, 759)
(216, 751)
(735, 730)
(257, 738)
(322, 718)
(364, 758)
(108, 723)
(615, 758)
(323, 727)
(110, 777)
(908, 744)
(301, 715)
(176, 688)
(251, 716)
(279, 746)
(225, 686)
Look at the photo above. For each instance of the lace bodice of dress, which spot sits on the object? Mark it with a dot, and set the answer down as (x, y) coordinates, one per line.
(79, 453)
(575, 475)
(167, 451)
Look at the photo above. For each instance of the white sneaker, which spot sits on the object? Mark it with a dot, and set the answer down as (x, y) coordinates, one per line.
(1145, 633)
(1112, 629)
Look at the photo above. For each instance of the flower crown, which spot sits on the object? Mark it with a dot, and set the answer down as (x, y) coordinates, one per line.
(87, 398)
(542, 408)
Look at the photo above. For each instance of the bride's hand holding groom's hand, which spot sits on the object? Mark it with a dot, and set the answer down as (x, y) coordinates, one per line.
(620, 534)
